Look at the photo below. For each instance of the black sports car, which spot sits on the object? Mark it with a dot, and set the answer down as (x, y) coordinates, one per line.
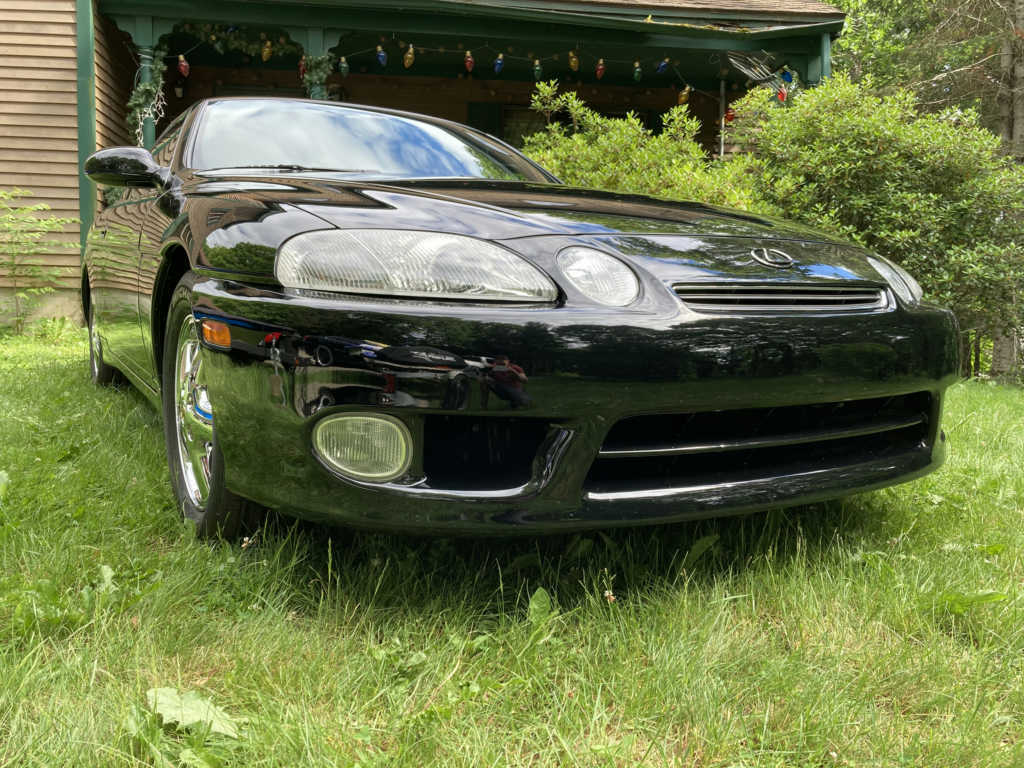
(393, 321)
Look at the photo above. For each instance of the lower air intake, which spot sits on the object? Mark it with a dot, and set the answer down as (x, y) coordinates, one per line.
(691, 449)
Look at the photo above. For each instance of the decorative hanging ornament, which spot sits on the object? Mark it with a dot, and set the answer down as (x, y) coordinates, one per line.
(183, 67)
(267, 51)
(787, 75)
(574, 61)
(382, 56)
(469, 61)
(538, 70)
(638, 71)
(663, 66)
(499, 63)
(730, 115)
(684, 95)
(782, 94)
(343, 68)
(409, 58)
(302, 66)
(599, 70)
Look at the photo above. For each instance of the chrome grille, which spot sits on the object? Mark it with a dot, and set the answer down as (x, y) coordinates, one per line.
(780, 297)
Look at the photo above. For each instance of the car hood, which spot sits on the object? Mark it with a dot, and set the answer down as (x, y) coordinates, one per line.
(499, 210)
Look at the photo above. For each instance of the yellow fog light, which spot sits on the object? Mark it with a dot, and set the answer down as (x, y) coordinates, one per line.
(368, 447)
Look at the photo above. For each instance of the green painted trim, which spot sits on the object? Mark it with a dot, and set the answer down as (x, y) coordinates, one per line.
(826, 55)
(460, 18)
(85, 52)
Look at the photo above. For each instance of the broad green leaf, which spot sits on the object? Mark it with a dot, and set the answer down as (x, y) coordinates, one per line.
(189, 709)
(540, 607)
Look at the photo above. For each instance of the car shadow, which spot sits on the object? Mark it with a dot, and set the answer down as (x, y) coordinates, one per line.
(491, 576)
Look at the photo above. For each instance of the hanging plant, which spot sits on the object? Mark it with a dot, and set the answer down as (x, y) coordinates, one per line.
(315, 76)
(147, 99)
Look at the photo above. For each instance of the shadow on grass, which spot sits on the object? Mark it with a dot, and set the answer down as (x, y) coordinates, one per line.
(483, 575)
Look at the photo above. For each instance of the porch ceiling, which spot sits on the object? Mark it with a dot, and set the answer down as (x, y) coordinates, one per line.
(793, 25)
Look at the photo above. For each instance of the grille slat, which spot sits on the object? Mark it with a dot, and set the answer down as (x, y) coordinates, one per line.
(791, 438)
(769, 297)
(651, 452)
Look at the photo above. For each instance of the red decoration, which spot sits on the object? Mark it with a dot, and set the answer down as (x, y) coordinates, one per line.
(782, 94)
(470, 61)
(302, 67)
(599, 69)
(730, 115)
(183, 66)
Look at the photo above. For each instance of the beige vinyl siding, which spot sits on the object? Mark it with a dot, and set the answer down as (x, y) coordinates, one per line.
(38, 113)
(115, 69)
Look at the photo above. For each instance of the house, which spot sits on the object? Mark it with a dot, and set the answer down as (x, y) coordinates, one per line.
(68, 67)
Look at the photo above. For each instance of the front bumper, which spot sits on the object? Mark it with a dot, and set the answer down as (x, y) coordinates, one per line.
(494, 459)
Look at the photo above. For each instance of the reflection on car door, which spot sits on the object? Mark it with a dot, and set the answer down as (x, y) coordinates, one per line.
(161, 211)
(113, 252)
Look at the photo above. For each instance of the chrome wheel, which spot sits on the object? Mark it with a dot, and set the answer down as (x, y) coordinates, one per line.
(94, 344)
(193, 414)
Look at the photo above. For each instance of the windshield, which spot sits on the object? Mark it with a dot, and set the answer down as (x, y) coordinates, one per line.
(286, 136)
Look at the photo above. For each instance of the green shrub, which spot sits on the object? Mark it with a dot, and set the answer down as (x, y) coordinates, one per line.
(24, 237)
(621, 154)
(929, 191)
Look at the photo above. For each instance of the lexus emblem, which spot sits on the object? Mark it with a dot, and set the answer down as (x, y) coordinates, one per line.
(773, 257)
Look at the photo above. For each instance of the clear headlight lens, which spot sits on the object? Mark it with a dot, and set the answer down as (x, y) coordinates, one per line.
(409, 264)
(901, 281)
(598, 276)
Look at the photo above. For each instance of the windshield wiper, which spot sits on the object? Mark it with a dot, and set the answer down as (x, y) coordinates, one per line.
(290, 167)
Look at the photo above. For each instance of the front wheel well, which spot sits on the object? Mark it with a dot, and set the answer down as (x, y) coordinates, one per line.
(173, 267)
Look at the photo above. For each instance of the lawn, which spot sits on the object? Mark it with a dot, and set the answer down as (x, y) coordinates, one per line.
(886, 629)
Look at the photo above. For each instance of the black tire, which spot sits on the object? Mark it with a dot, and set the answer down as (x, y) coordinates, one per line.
(218, 513)
(100, 373)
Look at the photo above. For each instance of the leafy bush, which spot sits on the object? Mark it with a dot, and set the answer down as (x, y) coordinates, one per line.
(929, 191)
(622, 155)
(24, 236)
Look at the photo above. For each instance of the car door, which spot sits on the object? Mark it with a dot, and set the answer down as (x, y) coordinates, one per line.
(112, 259)
(149, 256)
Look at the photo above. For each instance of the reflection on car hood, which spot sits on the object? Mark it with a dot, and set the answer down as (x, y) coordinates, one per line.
(501, 210)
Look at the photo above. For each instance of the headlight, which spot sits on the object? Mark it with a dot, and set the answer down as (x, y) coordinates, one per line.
(901, 281)
(403, 263)
(599, 276)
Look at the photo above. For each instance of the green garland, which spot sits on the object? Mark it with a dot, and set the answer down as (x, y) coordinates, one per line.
(147, 99)
(230, 37)
(318, 68)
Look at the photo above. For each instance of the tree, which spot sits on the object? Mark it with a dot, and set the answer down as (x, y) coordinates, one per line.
(949, 53)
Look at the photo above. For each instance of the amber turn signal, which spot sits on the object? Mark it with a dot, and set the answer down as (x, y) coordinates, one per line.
(217, 334)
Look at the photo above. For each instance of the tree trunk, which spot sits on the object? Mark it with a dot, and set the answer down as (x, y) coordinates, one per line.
(1005, 354)
(1016, 84)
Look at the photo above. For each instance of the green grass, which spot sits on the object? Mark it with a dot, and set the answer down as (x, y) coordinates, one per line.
(886, 629)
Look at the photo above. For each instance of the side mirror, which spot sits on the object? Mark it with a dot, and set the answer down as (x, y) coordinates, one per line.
(125, 167)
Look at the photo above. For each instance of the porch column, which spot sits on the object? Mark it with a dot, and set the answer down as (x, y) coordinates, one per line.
(826, 55)
(146, 76)
(86, 103)
(144, 38)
